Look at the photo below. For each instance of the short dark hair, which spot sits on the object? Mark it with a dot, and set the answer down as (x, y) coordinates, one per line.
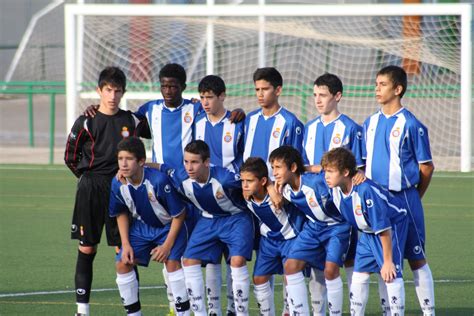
(398, 76)
(173, 71)
(289, 155)
(133, 145)
(113, 76)
(331, 81)
(341, 158)
(212, 83)
(256, 166)
(198, 147)
(269, 74)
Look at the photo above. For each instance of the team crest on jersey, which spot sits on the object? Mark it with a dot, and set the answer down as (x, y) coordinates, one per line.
(151, 196)
(358, 210)
(276, 132)
(396, 132)
(312, 202)
(125, 133)
(219, 195)
(187, 118)
(227, 137)
(337, 139)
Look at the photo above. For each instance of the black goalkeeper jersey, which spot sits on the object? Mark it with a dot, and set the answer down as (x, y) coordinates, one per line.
(92, 143)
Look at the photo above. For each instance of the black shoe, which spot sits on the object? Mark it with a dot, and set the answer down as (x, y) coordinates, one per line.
(229, 313)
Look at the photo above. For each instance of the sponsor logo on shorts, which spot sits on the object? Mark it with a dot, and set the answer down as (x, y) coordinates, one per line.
(73, 228)
(417, 249)
(167, 188)
(81, 291)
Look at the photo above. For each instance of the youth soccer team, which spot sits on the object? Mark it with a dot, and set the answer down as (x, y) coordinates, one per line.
(308, 199)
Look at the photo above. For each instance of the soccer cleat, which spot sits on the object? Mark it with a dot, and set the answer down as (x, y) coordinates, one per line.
(285, 314)
(79, 314)
(229, 313)
(171, 312)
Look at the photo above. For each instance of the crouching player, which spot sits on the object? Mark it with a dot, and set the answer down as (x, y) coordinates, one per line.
(225, 221)
(324, 240)
(382, 220)
(157, 230)
(278, 229)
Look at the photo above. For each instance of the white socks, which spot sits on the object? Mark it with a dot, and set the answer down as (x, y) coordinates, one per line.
(128, 287)
(396, 295)
(335, 290)
(424, 287)
(318, 292)
(83, 308)
(213, 288)
(169, 293)
(359, 294)
(264, 295)
(178, 287)
(195, 286)
(384, 302)
(241, 287)
(230, 294)
(297, 294)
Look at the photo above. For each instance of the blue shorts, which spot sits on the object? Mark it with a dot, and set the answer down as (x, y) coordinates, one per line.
(271, 256)
(143, 238)
(351, 253)
(415, 245)
(235, 232)
(369, 256)
(319, 243)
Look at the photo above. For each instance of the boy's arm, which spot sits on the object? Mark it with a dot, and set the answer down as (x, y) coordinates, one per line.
(388, 271)
(161, 253)
(426, 171)
(237, 115)
(275, 196)
(74, 144)
(127, 250)
(313, 168)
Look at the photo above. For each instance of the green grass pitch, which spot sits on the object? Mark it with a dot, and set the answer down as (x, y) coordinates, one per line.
(37, 258)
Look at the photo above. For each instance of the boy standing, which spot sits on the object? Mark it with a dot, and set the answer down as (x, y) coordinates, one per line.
(382, 220)
(398, 157)
(272, 125)
(157, 230)
(91, 156)
(278, 228)
(326, 234)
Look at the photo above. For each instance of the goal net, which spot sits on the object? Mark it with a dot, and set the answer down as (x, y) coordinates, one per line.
(302, 42)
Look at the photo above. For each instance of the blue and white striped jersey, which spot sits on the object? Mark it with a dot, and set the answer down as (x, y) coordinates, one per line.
(279, 224)
(171, 128)
(394, 146)
(224, 138)
(320, 138)
(369, 207)
(264, 134)
(220, 196)
(153, 202)
(313, 199)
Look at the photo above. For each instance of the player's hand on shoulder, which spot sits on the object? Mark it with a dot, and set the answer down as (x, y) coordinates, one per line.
(91, 110)
(359, 177)
(237, 115)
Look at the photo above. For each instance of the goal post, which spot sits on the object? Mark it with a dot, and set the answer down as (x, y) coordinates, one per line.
(302, 41)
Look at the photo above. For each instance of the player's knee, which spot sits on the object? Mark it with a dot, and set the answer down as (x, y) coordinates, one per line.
(331, 271)
(88, 250)
(292, 266)
(416, 264)
(123, 268)
(237, 261)
(172, 265)
(260, 279)
(191, 262)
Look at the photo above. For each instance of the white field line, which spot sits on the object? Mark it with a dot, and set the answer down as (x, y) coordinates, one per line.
(163, 287)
